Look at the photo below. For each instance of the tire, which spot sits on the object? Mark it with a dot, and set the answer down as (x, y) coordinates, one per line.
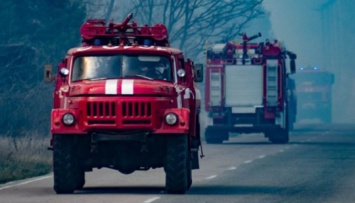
(65, 169)
(214, 140)
(291, 125)
(177, 165)
(211, 136)
(280, 136)
(291, 120)
(189, 175)
(80, 180)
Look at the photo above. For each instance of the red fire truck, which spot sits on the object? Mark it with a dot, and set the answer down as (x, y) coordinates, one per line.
(125, 100)
(248, 90)
(314, 93)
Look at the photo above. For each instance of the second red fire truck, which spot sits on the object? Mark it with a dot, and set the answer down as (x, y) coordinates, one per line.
(248, 90)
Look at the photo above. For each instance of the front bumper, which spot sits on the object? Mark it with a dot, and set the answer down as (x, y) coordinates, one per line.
(119, 115)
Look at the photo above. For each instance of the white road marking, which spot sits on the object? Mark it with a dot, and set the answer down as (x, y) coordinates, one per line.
(262, 156)
(26, 182)
(231, 168)
(151, 200)
(211, 177)
(248, 161)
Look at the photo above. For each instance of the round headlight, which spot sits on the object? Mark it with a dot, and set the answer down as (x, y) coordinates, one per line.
(171, 119)
(68, 119)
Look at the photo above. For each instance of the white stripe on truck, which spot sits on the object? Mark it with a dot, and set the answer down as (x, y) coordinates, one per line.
(111, 87)
(127, 86)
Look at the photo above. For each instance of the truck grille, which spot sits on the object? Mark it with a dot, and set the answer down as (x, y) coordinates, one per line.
(136, 113)
(136, 109)
(129, 112)
(102, 109)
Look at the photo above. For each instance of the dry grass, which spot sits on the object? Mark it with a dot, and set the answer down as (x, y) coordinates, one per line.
(24, 157)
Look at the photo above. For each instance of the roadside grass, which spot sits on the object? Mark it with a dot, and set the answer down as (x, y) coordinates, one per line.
(24, 157)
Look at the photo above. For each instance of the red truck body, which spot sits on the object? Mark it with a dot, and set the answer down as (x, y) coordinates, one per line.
(248, 90)
(110, 111)
(314, 94)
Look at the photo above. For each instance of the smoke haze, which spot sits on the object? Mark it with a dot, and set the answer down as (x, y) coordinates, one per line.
(320, 32)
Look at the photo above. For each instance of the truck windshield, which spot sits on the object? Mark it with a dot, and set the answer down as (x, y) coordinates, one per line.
(121, 66)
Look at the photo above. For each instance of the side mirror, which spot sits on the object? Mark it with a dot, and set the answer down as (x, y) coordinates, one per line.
(48, 73)
(198, 72)
(293, 66)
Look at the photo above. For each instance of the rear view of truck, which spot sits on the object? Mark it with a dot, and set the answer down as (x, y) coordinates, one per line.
(314, 93)
(248, 90)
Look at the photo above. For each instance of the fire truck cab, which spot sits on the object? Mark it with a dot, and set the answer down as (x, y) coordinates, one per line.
(125, 100)
(248, 90)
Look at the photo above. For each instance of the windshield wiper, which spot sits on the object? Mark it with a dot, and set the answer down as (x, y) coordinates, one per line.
(103, 78)
(142, 76)
(93, 79)
(108, 78)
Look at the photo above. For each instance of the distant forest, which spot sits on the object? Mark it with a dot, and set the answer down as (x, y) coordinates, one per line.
(33, 33)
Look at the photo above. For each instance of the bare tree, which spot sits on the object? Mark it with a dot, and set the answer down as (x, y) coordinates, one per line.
(99, 9)
(109, 9)
(192, 22)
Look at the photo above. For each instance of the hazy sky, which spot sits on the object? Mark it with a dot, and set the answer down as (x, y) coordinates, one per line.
(297, 23)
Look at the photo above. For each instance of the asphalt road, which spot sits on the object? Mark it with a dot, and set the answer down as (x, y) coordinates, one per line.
(318, 165)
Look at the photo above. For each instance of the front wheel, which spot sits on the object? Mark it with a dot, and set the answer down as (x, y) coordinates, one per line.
(177, 165)
(65, 165)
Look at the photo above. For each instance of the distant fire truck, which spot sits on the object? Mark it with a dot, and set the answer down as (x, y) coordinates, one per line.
(314, 93)
(248, 90)
(128, 101)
